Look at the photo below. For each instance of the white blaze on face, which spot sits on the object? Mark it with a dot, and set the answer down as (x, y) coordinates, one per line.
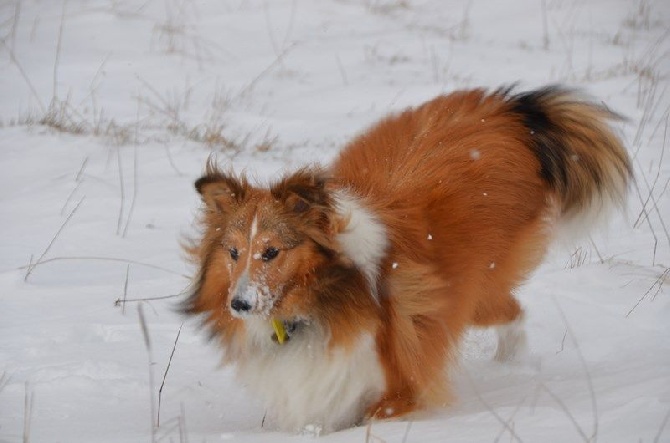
(255, 292)
(252, 235)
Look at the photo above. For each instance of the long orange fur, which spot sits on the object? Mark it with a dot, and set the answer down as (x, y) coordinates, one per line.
(468, 187)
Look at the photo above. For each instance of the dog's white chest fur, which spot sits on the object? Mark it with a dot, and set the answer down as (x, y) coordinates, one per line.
(304, 384)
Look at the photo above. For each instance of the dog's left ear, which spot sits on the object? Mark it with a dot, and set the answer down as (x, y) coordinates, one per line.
(305, 196)
(303, 191)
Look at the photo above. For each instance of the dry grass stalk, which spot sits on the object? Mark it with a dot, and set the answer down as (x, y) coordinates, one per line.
(509, 427)
(29, 401)
(147, 344)
(167, 369)
(664, 422)
(125, 292)
(657, 285)
(31, 267)
(589, 380)
(109, 259)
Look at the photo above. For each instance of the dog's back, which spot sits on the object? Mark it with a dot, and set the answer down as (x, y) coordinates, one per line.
(470, 187)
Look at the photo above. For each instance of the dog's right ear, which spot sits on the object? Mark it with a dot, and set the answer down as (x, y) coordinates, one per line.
(220, 191)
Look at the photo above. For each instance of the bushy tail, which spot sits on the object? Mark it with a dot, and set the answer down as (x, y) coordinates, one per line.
(581, 158)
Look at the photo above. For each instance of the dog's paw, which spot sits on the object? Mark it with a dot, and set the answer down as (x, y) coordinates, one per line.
(513, 346)
(387, 408)
(513, 349)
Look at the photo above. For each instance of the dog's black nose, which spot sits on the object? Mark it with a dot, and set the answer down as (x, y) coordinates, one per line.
(240, 305)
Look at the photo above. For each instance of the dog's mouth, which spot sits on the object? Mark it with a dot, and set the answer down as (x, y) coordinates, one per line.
(251, 298)
(252, 301)
(256, 303)
(284, 330)
(259, 308)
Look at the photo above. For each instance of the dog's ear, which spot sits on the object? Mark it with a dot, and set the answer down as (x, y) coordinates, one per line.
(221, 191)
(305, 196)
(304, 192)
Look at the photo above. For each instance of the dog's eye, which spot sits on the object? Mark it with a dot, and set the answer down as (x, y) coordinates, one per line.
(269, 254)
(234, 254)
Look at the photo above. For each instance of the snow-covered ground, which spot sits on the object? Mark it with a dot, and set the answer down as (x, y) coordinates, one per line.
(109, 109)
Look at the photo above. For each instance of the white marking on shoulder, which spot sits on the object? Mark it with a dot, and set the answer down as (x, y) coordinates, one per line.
(364, 239)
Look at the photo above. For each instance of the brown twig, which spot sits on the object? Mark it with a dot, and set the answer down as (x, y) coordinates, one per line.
(131, 210)
(183, 436)
(565, 409)
(125, 292)
(659, 282)
(78, 180)
(112, 259)
(589, 381)
(664, 422)
(23, 73)
(28, 402)
(123, 302)
(32, 265)
(407, 429)
(122, 190)
(54, 91)
(167, 369)
(147, 344)
(490, 409)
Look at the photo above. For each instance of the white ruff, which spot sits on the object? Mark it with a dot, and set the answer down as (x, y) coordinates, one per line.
(305, 385)
(364, 239)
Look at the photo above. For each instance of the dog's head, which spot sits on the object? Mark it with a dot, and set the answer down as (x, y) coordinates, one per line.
(261, 247)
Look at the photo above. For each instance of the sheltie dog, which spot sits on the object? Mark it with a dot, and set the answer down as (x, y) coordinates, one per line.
(340, 293)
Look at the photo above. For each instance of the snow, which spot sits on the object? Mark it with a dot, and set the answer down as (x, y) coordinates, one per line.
(312, 430)
(97, 193)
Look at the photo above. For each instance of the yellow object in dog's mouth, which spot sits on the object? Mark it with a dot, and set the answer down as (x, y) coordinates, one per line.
(280, 331)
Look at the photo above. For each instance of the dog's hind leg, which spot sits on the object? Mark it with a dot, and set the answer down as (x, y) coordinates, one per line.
(504, 313)
(512, 343)
(497, 305)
